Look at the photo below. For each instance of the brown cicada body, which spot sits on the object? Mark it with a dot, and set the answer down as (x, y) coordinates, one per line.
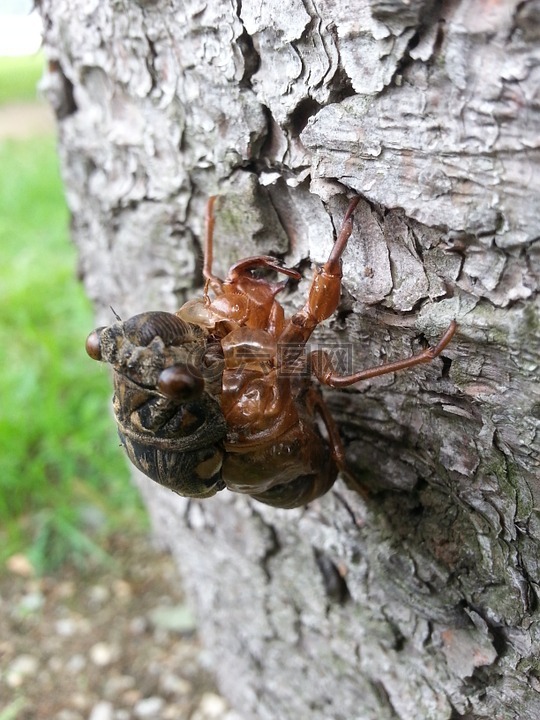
(210, 397)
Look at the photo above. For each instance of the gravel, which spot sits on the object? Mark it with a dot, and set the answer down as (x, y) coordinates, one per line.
(113, 643)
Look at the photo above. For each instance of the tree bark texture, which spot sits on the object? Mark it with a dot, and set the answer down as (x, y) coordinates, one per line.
(421, 599)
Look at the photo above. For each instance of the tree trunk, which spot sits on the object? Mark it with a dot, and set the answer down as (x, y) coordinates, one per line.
(420, 600)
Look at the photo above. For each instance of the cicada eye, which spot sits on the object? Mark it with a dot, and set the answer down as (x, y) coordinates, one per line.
(93, 344)
(181, 382)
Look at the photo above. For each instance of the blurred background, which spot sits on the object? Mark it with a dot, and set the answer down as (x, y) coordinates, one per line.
(93, 622)
(64, 485)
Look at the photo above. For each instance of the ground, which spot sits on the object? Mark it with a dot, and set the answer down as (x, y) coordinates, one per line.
(107, 643)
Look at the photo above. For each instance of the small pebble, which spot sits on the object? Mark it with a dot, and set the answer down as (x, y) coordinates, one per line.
(103, 654)
(31, 603)
(178, 618)
(65, 589)
(19, 564)
(117, 685)
(65, 627)
(131, 697)
(93, 517)
(22, 667)
(138, 625)
(123, 714)
(102, 711)
(232, 715)
(172, 684)
(68, 715)
(80, 700)
(55, 664)
(76, 664)
(149, 708)
(211, 707)
(99, 594)
(122, 590)
(174, 712)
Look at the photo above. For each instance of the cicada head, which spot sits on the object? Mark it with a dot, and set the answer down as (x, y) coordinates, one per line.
(169, 421)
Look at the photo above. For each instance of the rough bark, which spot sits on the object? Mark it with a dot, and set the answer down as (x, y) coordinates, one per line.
(420, 601)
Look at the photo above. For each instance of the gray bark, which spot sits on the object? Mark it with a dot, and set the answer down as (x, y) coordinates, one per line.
(420, 601)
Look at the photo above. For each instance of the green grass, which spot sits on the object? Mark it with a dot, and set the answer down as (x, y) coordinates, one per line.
(19, 77)
(62, 474)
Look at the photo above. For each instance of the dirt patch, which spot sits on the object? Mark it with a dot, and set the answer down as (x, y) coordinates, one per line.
(107, 644)
(23, 120)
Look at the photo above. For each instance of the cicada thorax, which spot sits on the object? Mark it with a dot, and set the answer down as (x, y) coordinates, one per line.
(274, 450)
(245, 302)
(289, 464)
(166, 372)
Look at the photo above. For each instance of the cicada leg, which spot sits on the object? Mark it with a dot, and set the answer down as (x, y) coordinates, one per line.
(212, 281)
(324, 293)
(319, 406)
(266, 261)
(325, 373)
